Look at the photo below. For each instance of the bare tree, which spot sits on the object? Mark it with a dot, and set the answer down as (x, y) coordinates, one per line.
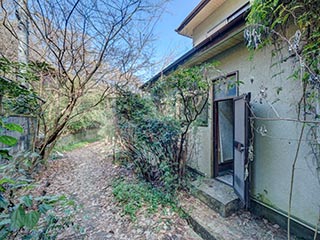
(88, 45)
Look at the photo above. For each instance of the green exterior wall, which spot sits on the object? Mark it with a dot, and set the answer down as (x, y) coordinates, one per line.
(274, 151)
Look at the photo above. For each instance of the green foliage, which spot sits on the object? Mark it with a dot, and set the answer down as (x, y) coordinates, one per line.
(183, 93)
(23, 215)
(150, 140)
(8, 140)
(272, 21)
(24, 161)
(134, 196)
(28, 72)
(11, 126)
(154, 129)
(17, 98)
(132, 107)
(34, 217)
(72, 146)
(92, 118)
(275, 20)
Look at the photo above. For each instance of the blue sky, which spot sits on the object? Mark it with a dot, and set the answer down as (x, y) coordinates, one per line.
(169, 44)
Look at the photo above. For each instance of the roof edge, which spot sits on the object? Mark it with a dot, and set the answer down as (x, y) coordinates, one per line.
(212, 40)
(191, 15)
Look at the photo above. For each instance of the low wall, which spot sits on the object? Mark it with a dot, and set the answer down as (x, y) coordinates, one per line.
(26, 138)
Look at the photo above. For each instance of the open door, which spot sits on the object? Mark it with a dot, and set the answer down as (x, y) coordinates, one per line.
(241, 142)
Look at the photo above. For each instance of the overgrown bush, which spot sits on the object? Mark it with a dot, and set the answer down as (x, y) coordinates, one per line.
(150, 140)
(15, 99)
(94, 118)
(154, 129)
(184, 95)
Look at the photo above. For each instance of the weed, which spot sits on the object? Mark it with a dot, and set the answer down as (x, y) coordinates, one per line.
(72, 146)
(135, 195)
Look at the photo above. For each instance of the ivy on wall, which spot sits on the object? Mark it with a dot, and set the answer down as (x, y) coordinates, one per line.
(293, 29)
(272, 22)
(16, 96)
(17, 99)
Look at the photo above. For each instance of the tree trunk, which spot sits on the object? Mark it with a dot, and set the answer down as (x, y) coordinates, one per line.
(23, 35)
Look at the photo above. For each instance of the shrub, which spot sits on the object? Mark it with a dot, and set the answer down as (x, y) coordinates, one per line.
(22, 214)
(150, 141)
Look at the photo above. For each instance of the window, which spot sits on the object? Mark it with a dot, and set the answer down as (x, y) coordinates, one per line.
(225, 86)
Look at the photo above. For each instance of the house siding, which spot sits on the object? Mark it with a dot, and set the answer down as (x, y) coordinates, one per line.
(274, 150)
(199, 157)
(201, 32)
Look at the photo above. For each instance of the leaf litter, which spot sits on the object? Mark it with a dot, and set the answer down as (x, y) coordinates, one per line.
(86, 175)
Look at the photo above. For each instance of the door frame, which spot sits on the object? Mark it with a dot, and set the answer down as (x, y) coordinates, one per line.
(246, 197)
(215, 143)
(216, 134)
(215, 117)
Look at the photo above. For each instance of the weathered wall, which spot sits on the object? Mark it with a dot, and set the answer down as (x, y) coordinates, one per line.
(200, 150)
(275, 142)
(25, 139)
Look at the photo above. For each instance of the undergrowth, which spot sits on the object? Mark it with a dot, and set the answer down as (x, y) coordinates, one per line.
(24, 212)
(133, 196)
(72, 146)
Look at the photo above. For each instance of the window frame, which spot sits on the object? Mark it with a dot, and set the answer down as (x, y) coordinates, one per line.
(234, 73)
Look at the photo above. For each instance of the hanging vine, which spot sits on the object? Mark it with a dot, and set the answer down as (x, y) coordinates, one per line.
(293, 28)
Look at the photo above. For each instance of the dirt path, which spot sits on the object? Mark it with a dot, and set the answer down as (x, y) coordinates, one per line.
(86, 175)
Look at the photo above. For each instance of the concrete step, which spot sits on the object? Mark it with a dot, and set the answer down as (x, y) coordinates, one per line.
(218, 196)
(242, 225)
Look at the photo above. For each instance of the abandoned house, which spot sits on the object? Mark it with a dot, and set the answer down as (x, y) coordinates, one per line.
(248, 144)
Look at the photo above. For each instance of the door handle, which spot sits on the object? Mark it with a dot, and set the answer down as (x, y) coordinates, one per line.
(239, 146)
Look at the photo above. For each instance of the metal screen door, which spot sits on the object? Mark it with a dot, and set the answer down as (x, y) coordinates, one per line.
(241, 168)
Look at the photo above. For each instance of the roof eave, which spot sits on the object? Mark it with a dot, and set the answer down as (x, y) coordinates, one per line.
(205, 44)
(191, 16)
